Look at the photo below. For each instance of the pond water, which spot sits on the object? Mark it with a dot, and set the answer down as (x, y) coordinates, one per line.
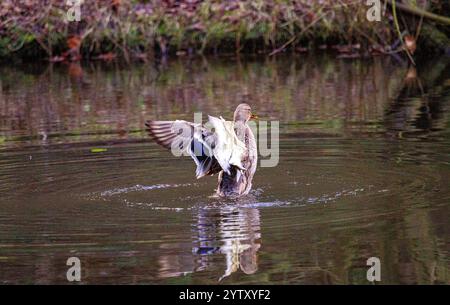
(363, 172)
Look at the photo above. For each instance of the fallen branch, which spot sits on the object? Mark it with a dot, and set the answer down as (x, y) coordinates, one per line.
(420, 12)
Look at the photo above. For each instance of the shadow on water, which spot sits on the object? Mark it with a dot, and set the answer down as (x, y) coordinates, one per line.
(363, 171)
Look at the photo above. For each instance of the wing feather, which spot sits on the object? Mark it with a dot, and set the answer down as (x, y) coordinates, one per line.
(192, 138)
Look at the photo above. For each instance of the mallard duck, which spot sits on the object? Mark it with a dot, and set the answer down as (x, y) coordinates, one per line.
(228, 148)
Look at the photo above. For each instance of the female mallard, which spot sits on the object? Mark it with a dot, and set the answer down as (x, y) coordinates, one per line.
(229, 148)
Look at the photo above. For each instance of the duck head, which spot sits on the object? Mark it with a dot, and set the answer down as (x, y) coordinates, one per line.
(243, 113)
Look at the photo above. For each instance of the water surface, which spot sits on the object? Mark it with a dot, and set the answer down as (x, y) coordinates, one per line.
(363, 171)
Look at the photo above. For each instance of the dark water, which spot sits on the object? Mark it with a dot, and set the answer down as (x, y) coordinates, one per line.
(364, 172)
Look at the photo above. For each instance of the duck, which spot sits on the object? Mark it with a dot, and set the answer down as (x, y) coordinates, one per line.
(226, 148)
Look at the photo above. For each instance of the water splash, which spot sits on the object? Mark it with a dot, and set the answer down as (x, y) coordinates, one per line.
(139, 188)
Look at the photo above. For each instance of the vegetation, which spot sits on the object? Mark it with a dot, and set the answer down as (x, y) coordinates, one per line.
(139, 29)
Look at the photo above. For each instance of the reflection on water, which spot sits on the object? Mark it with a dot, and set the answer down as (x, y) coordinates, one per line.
(233, 233)
(239, 231)
(363, 171)
(72, 103)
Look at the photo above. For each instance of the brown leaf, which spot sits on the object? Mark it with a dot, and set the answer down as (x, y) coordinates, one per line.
(410, 43)
(107, 56)
(74, 42)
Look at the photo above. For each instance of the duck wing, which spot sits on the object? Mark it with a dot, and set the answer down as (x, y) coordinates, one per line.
(228, 149)
(187, 138)
(212, 151)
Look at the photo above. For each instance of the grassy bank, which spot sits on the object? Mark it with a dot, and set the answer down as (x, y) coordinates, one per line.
(140, 29)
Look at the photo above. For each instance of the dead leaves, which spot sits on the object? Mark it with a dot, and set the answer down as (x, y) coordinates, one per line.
(410, 43)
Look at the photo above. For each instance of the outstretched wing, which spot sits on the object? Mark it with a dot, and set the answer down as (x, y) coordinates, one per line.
(170, 134)
(189, 138)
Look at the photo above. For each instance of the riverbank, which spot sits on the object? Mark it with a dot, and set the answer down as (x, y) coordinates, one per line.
(142, 29)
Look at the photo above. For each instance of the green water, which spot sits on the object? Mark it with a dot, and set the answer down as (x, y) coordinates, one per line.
(363, 172)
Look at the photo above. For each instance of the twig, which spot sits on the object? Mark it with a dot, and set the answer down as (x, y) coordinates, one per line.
(397, 26)
(295, 37)
(420, 12)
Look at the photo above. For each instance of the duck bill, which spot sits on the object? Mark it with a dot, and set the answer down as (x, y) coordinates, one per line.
(254, 117)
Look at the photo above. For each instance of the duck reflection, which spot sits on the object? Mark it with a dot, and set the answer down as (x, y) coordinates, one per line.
(232, 233)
